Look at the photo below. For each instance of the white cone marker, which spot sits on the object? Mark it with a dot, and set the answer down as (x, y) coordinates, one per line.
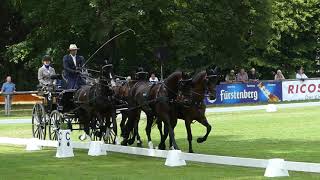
(33, 145)
(174, 159)
(271, 108)
(96, 149)
(276, 168)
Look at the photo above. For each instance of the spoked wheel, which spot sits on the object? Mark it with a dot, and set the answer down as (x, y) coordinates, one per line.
(54, 124)
(96, 129)
(38, 122)
(110, 134)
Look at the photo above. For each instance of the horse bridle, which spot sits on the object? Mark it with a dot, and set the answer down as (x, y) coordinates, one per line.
(206, 89)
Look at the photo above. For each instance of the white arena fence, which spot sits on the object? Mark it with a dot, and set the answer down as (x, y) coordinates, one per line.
(202, 158)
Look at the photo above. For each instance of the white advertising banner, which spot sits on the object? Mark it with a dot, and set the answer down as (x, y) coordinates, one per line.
(300, 90)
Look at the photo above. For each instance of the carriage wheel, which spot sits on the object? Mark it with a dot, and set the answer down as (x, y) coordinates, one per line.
(95, 129)
(54, 124)
(110, 134)
(38, 122)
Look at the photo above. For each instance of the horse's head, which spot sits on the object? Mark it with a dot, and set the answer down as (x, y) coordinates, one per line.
(185, 84)
(205, 82)
(178, 81)
(107, 71)
(105, 80)
(212, 79)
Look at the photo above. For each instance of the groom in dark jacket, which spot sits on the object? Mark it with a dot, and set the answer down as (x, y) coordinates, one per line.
(72, 64)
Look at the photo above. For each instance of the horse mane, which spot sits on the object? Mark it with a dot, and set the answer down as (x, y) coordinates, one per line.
(198, 77)
(173, 76)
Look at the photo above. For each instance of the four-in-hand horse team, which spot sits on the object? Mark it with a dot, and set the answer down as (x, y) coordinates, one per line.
(90, 100)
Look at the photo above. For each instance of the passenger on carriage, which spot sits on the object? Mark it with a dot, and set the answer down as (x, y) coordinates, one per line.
(72, 65)
(45, 73)
(153, 79)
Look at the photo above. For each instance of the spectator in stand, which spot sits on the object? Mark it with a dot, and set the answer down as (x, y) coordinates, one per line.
(153, 79)
(252, 76)
(279, 76)
(8, 88)
(300, 74)
(231, 77)
(242, 76)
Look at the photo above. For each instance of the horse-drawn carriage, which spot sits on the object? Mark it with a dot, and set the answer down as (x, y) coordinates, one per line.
(91, 108)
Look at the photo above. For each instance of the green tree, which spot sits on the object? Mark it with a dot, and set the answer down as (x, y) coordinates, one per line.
(295, 30)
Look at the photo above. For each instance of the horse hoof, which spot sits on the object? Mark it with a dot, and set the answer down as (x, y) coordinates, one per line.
(162, 147)
(139, 144)
(191, 151)
(130, 142)
(116, 141)
(82, 137)
(124, 143)
(200, 140)
(150, 145)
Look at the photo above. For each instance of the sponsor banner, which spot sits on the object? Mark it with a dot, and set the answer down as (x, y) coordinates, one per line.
(247, 93)
(301, 90)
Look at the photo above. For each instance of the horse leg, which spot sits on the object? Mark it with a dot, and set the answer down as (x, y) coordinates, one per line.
(174, 124)
(139, 142)
(148, 130)
(163, 136)
(170, 130)
(208, 126)
(85, 121)
(136, 117)
(123, 122)
(129, 126)
(188, 128)
(114, 126)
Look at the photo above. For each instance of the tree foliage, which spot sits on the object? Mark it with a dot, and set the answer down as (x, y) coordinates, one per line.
(266, 34)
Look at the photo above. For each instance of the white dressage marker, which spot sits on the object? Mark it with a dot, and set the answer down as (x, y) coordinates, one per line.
(96, 149)
(276, 168)
(64, 148)
(174, 159)
(271, 108)
(33, 145)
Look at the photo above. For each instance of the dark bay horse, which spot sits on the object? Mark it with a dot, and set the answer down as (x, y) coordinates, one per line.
(204, 83)
(155, 100)
(96, 105)
(189, 108)
(121, 91)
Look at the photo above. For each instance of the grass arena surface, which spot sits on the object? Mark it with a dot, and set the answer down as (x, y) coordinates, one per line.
(291, 134)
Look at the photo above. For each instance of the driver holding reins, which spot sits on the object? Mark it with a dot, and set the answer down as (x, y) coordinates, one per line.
(72, 64)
